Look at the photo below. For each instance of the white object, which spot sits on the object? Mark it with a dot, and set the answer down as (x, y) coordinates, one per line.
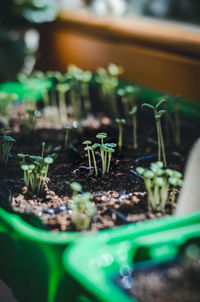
(189, 200)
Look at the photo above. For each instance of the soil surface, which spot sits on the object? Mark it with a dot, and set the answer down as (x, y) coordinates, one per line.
(172, 281)
(119, 196)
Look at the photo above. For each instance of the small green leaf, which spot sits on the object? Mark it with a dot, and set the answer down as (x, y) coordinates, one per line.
(48, 160)
(96, 145)
(140, 170)
(75, 186)
(86, 142)
(147, 106)
(88, 148)
(161, 102)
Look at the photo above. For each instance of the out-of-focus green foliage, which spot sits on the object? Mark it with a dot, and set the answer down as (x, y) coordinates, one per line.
(19, 12)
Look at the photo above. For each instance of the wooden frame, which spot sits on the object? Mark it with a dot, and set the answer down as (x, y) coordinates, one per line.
(160, 55)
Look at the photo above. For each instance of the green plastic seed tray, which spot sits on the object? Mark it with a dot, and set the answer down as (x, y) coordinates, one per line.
(95, 263)
(31, 258)
(30, 90)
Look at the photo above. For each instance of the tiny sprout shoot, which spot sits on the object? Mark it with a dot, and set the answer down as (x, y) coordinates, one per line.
(28, 121)
(62, 88)
(88, 149)
(133, 113)
(102, 136)
(175, 181)
(76, 188)
(157, 182)
(35, 170)
(67, 130)
(6, 143)
(120, 123)
(82, 207)
(158, 114)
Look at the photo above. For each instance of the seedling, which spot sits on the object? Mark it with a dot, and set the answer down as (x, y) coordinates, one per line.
(5, 100)
(109, 81)
(82, 207)
(67, 128)
(38, 74)
(175, 181)
(120, 123)
(28, 121)
(129, 95)
(157, 182)
(6, 143)
(94, 146)
(133, 113)
(158, 114)
(79, 82)
(76, 188)
(62, 88)
(110, 151)
(35, 170)
(102, 136)
(88, 149)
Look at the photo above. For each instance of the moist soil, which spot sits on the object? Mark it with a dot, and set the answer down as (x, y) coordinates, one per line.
(172, 281)
(119, 196)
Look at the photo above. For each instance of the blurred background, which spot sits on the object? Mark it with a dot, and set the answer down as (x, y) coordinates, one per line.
(149, 38)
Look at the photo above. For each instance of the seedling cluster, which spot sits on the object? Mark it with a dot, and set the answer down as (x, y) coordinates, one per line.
(106, 150)
(35, 170)
(82, 208)
(157, 182)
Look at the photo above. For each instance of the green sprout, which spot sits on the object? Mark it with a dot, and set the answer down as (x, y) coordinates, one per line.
(106, 151)
(76, 188)
(79, 82)
(133, 113)
(82, 207)
(108, 80)
(175, 181)
(28, 121)
(67, 128)
(102, 136)
(129, 95)
(158, 114)
(62, 88)
(6, 143)
(88, 149)
(40, 75)
(6, 99)
(35, 170)
(157, 182)
(120, 123)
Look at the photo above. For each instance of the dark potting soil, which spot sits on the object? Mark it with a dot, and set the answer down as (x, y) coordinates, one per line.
(174, 281)
(119, 196)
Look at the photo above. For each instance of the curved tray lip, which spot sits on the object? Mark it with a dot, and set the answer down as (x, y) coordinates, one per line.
(96, 282)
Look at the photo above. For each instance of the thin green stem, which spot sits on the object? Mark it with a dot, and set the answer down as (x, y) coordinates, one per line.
(89, 159)
(159, 145)
(120, 137)
(95, 163)
(162, 145)
(135, 145)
